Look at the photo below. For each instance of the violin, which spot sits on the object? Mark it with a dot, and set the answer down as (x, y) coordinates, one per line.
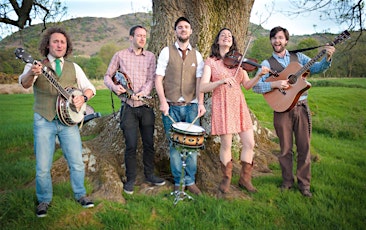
(234, 58)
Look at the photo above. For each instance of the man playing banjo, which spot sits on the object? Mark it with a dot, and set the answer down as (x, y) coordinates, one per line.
(56, 46)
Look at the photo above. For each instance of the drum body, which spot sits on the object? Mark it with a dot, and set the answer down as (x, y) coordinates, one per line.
(187, 135)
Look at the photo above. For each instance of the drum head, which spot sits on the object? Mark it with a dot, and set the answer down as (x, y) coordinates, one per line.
(185, 127)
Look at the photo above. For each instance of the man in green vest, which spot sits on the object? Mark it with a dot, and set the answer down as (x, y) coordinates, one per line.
(54, 115)
(178, 73)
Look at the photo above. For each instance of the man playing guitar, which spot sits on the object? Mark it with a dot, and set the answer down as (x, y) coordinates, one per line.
(295, 121)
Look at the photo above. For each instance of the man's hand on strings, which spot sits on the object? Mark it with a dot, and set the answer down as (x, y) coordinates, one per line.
(118, 89)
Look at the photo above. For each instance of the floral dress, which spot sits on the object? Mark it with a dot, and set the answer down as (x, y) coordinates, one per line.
(230, 113)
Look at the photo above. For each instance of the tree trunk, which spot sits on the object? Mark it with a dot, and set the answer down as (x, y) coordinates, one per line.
(206, 17)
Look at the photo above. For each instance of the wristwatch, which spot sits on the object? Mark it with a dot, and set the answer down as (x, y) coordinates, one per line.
(85, 98)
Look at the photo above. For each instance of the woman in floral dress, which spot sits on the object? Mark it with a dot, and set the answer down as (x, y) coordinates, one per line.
(230, 113)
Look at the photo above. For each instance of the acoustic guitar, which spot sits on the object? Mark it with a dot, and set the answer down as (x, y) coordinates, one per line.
(282, 100)
(66, 111)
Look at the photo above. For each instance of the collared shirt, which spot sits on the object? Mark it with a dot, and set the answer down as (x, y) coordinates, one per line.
(263, 87)
(164, 59)
(139, 68)
(82, 81)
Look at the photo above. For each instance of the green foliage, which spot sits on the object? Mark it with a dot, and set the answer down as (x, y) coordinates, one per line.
(306, 43)
(11, 65)
(95, 68)
(338, 178)
(107, 51)
(261, 49)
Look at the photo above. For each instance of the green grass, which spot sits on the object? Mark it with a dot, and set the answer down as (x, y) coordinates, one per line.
(338, 176)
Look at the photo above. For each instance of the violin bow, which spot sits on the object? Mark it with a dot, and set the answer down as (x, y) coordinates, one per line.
(243, 56)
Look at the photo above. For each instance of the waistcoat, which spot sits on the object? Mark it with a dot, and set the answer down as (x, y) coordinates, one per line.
(180, 76)
(275, 65)
(45, 94)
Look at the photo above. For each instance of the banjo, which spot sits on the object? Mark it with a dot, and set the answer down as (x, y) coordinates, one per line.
(66, 111)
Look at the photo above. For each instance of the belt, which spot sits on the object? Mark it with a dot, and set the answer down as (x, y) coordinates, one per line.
(179, 103)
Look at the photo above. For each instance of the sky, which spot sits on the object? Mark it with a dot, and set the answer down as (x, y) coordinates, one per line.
(298, 25)
(264, 12)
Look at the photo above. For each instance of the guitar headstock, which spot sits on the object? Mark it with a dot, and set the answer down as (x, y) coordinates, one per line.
(340, 38)
(24, 56)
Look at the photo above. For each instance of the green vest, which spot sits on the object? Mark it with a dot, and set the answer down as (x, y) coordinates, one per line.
(180, 76)
(45, 94)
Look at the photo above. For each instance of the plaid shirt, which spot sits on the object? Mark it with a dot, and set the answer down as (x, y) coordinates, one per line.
(139, 68)
(263, 87)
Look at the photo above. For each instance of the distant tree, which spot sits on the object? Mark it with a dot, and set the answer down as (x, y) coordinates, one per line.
(21, 13)
(261, 49)
(306, 43)
(95, 68)
(107, 51)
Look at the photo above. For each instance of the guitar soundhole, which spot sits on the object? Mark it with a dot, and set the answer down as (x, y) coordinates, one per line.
(292, 79)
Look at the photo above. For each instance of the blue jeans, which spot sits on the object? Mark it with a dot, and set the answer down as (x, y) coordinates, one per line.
(45, 133)
(181, 114)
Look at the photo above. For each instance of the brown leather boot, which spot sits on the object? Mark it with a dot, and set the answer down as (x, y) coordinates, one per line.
(226, 178)
(245, 180)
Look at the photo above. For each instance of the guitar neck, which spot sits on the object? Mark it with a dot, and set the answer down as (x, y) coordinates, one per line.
(55, 83)
(310, 63)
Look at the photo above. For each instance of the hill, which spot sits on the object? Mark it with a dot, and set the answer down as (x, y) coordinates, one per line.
(88, 33)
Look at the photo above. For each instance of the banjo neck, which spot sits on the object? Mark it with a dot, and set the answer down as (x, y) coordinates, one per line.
(54, 82)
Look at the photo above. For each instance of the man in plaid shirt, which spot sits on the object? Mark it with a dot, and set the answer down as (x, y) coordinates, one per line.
(139, 66)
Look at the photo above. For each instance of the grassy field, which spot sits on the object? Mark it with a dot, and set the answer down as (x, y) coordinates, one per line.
(338, 176)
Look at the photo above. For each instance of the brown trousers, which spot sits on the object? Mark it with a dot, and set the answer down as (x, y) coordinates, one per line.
(295, 124)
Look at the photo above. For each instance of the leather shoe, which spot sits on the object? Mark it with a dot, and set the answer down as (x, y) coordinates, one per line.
(194, 189)
(306, 193)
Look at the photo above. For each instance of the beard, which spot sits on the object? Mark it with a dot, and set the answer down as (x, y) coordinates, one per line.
(277, 49)
(183, 40)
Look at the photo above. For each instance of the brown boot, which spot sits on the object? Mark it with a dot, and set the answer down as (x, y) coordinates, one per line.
(226, 178)
(245, 180)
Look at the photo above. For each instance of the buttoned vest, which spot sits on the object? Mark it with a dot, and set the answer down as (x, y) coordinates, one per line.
(180, 76)
(45, 95)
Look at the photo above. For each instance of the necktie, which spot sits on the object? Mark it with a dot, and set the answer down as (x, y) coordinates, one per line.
(58, 67)
(184, 53)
